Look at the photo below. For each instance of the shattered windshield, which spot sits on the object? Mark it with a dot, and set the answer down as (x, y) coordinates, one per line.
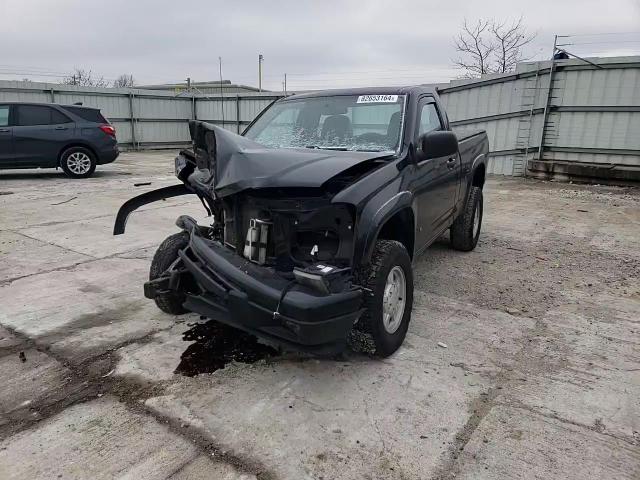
(366, 123)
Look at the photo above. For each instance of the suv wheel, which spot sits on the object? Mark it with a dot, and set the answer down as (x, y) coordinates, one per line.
(78, 162)
(465, 231)
(383, 325)
(166, 254)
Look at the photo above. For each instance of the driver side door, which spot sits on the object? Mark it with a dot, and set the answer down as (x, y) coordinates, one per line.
(435, 197)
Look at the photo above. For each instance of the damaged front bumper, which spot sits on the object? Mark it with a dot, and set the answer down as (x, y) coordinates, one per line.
(235, 291)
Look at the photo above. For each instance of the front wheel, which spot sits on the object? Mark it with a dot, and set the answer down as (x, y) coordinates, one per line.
(465, 231)
(388, 283)
(166, 254)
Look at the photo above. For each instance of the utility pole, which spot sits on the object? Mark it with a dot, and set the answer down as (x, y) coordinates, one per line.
(260, 60)
(285, 84)
(547, 103)
(221, 91)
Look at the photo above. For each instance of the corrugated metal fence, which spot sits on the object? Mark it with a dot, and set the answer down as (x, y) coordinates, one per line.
(586, 114)
(147, 118)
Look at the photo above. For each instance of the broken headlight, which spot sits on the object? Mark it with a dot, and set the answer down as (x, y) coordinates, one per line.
(322, 278)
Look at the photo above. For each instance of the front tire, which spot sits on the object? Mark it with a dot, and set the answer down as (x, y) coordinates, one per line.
(388, 300)
(166, 254)
(465, 231)
(78, 162)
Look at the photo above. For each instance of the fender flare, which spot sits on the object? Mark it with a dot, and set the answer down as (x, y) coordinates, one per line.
(388, 209)
(148, 197)
(479, 160)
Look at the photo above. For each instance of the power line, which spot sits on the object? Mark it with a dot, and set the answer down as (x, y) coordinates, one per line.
(598, 34)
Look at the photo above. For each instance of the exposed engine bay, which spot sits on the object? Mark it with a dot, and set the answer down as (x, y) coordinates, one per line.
(281, 218)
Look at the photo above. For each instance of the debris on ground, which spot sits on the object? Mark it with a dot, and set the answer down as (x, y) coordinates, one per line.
(65, 201)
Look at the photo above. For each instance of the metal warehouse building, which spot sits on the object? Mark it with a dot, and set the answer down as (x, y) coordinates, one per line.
(560, 118)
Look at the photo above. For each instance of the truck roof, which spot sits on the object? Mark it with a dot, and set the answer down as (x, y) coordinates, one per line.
(369, 91)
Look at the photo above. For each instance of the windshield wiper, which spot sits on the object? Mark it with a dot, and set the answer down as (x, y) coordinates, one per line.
(317, 147)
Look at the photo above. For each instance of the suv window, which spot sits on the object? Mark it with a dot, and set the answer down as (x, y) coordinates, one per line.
(88, 114)
(27, 115)
(4, 115)
(59, 117)
(429, 119)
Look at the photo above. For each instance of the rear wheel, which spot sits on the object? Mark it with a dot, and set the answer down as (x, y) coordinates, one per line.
(465, 231)
(388, 301)
(166, 254)
(78, 162)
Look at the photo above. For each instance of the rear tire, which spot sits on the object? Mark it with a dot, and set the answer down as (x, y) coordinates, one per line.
(78, 162)
(377, 331)
(465, 231)
(166, 254)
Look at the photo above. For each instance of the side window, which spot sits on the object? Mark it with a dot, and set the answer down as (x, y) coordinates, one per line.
(4, 115)
(429, 119)
(33, 115)
(88, 114)
(58, 117)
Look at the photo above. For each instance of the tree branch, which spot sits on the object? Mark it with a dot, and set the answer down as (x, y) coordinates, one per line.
(489, 46)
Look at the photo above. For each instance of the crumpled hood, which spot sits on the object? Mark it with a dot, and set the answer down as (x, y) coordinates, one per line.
(239, 163)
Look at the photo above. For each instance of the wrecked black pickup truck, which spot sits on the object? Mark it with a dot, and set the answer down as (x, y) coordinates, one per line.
(318, 210)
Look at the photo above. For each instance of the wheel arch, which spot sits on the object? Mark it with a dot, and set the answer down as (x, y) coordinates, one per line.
(395, 220)
(400, 227)
(76, 144)
(479, 175)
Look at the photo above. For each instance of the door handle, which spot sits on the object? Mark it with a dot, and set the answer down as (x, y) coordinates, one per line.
(61, 128)
(4, 130)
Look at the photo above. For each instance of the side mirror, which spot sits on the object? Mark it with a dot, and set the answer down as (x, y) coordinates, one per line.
(439, 143)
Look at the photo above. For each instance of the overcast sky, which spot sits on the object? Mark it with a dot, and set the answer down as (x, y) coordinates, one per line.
(327, 43)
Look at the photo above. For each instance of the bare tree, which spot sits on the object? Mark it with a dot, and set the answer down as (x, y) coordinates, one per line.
(84, 78)
(475, 47)
(491, 47)
(124, 81)
(510, 40)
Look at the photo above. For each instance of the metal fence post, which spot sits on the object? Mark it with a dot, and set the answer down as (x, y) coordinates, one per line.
(238, 114)
(132, 119)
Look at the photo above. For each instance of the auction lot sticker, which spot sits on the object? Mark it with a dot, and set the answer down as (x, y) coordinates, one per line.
(377, 99)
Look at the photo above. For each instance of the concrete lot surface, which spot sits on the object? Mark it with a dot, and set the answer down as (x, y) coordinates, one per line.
(540, 377)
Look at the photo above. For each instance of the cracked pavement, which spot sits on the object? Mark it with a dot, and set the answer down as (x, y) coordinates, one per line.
(540, 377)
